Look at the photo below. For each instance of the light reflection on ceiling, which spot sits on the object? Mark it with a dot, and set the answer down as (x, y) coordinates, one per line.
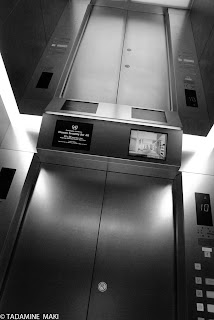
(185, 4)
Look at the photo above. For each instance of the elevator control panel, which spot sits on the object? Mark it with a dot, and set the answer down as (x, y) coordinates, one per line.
(199, 244)
(204, 260)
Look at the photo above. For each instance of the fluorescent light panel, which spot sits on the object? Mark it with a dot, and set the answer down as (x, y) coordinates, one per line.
(167, 3)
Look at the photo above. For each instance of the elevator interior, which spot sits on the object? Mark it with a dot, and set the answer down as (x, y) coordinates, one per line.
(99, 229)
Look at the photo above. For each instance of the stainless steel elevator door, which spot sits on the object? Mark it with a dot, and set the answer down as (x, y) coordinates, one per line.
(52, 267)
(122, 58)
(135, 254)
(144, 77)
(83, 227)
(95, 73)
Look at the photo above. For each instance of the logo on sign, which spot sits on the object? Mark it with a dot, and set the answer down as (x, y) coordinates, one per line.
(102, 286)
(74, 127)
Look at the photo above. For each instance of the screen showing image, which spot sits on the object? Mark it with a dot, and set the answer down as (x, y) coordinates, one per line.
(148, 144)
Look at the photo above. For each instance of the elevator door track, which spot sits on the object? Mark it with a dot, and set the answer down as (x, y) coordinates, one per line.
(94, 245)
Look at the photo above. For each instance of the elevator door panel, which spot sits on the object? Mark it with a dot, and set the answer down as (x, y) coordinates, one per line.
(95, 73)
(52, 267)
(135, 255)
(144, 79)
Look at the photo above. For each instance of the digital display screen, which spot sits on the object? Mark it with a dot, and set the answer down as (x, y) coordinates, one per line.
(72, 135)
(191, 98)
(148, 144)
(203, 209)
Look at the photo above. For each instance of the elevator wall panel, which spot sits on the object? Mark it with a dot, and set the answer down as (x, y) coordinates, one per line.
(144, 75)
(6, 7)
(135, 255)
(22, 41)
(52, 267)
(52, 11)
(95, 72)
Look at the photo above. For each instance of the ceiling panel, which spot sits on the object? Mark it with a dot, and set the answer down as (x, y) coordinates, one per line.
(168, 3)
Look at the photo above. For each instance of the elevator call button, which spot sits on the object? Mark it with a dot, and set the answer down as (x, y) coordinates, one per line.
(199, 293)
(198, 280)
(200, 307)
(207, 254)
(197, 266)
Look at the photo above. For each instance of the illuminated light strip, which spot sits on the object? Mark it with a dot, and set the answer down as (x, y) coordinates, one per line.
(7, 95)
(62, 45)
(21, 125)
(189, 61)
(169, 3)
(200, 148)
(210, 137)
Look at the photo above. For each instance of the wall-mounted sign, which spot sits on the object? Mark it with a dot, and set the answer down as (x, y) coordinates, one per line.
(148, 144)
(72, 135)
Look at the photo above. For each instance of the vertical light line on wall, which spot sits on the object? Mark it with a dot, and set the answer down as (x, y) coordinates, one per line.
(7, 94)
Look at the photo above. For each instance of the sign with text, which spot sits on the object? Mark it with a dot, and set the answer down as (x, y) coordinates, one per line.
(72, 135)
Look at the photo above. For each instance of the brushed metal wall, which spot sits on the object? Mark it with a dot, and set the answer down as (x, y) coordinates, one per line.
(26, 27)
(202, 18)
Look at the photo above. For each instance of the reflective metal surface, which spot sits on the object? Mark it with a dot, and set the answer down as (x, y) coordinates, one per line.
(52, 266)
(199, 242)
(95, 72)
(122, 59)
(202, 19)
(194, 118)
(55, 54)
(135, 254)
(67, 260)
(10, 211)
(144, 70)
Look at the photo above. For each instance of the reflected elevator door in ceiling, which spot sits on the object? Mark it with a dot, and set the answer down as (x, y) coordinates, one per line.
(122, 58)
(56, 267)
(135, 253)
